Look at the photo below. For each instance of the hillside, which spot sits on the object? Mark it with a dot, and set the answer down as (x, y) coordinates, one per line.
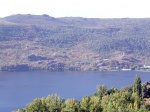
(74, 43)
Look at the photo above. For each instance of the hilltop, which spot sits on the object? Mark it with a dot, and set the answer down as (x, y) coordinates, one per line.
(74, 43)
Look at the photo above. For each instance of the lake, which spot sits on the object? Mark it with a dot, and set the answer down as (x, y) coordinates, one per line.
(19, 88)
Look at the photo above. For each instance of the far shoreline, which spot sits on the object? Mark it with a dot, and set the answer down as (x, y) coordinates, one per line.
(74, 70)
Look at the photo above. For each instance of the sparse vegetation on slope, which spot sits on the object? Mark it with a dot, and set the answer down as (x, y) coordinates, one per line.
(76, 43)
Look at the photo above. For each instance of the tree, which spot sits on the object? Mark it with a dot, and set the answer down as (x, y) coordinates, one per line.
(53, 103)
(36, 105)
(136, 100)
(137, 87)
(85, 104)
(95, 104)
(70, 106)
(144, 91)
(112, 90)
(101, 91)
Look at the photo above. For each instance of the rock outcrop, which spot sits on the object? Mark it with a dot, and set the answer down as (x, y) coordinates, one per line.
(36, 58)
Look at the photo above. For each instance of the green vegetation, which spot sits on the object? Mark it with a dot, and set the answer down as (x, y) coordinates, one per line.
(137, 87)
(127, 99)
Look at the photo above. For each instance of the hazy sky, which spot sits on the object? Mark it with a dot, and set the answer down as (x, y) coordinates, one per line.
(78, 8)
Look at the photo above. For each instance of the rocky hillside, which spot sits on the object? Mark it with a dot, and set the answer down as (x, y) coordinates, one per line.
(43, 42)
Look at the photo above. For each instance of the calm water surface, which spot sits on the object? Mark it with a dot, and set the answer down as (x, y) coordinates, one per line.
(19, 88)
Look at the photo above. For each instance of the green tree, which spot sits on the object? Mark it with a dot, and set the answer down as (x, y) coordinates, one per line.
(104, 102)
(85, 104)
(101, 91)
(144, 91)
(95, 104)
(137, 87)
(143, 109)
(136, 100)
(70, 105)
(53, 103)
(112, 90)
(36, 106)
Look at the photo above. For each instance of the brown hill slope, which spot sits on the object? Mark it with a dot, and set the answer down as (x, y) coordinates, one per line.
(44, 42)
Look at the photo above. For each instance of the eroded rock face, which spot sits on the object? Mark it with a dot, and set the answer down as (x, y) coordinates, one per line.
(21, 67)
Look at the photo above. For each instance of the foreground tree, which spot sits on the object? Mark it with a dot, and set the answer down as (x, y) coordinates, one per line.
(85, 104)
(90, 104)
(70, 105)
(95, 104)
(101, 91)
(137, 87)
(53, 103)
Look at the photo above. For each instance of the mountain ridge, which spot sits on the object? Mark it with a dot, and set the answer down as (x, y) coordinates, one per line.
(74, 43)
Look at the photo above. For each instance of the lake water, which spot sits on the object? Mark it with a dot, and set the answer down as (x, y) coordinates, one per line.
(19, 88)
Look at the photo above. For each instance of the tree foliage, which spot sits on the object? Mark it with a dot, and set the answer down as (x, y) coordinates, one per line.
(137, 87)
